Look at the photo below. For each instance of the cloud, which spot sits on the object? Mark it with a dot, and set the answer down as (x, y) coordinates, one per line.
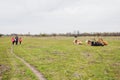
(59, 15)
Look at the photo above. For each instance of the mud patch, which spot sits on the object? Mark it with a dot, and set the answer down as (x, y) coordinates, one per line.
(58, 52)
(3, 69)
(116, 64)
(116, 69)
(94, 62)
(87, 55)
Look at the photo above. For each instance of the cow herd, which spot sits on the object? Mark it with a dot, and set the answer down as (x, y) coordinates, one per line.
(99, 42)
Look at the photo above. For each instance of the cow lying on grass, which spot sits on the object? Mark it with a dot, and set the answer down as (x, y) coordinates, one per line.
(94, 43)
(100, 42)
(75, 41)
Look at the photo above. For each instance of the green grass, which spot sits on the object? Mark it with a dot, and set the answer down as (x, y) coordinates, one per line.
(58, 59)
(12, 69)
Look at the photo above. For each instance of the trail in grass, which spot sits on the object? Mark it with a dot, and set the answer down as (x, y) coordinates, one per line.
(35, 71)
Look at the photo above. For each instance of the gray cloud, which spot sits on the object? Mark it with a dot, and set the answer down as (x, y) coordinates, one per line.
(49, 16)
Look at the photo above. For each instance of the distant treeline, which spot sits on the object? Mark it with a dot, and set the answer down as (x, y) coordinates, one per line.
(68, 34)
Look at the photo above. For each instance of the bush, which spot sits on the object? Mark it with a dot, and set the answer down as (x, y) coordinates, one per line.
(1, 35)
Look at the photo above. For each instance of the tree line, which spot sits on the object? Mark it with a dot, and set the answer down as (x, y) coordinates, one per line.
(68, 34)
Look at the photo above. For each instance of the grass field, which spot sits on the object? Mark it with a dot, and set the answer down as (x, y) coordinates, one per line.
(58, 59)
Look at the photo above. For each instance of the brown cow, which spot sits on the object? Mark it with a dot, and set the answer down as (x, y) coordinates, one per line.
(99, 42)
(75, 41)
(102, 41)
(94, 43)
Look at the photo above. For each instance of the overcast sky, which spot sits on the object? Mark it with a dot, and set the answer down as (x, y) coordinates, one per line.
(59, 16)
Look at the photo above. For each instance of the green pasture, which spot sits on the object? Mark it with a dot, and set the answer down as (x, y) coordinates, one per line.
(57, 58)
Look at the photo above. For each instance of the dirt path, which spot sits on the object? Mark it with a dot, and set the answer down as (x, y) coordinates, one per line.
(35, 71)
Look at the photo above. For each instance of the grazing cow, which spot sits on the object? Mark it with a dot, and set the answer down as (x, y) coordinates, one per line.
(75, 41)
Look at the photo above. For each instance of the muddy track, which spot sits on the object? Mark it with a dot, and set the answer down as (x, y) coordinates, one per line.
(32, 68)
